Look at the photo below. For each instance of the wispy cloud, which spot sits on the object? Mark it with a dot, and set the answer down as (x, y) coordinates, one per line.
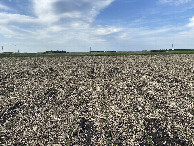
(176, 2)
(107, 30)
(3, 7)
(8, 18)
(191, 23)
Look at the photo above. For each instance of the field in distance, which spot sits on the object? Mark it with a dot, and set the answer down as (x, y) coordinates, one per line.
(97, 53)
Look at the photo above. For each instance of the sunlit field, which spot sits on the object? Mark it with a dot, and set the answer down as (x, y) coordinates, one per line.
(97, 100)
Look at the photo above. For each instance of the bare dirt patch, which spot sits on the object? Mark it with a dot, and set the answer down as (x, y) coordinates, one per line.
(97, 100)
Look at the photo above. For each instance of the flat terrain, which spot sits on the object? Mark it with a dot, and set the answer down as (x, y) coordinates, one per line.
(74, 54)
(97, 100)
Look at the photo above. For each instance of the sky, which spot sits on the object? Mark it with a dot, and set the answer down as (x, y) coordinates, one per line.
(77, 25)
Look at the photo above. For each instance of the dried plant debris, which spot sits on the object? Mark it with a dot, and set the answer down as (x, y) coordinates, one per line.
(97, 100)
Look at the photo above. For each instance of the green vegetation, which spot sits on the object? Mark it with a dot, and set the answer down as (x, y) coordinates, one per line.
(48, 52)
(158, 50)
(167, 50)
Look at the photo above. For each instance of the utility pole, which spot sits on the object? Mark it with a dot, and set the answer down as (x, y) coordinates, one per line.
(90, 49)
(2, 48)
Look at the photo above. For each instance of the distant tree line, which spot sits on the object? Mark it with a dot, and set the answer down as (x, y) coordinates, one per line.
(48, 52)
(183, 49)
(164, 50)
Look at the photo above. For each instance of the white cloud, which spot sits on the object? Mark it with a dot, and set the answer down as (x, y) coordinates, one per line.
(53, 16)
(51, 11)
(62, 12)
(43, 11)
(191, 23)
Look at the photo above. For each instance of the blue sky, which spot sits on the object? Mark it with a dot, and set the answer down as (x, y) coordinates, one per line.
(77, 25)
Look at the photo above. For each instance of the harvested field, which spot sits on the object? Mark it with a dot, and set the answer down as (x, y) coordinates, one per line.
(97, 100)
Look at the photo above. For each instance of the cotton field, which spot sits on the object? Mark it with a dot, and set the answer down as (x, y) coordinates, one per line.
(97, 100)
